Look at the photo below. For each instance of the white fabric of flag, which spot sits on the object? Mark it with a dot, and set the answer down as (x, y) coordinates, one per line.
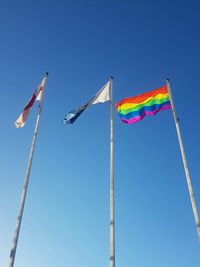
(103, 95)
(20, 122)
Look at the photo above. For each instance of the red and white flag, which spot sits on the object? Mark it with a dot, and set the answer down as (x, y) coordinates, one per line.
(20, 122)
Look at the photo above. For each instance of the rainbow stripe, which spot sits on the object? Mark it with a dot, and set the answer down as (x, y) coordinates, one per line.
(135, 108)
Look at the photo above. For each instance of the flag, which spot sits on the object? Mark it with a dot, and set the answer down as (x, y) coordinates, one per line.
(20, 122)
(135, 108)
(103, 95)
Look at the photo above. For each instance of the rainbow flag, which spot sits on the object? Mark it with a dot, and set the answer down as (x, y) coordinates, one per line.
(135, 108)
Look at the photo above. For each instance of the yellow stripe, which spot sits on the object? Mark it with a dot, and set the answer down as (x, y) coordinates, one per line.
(132, 105)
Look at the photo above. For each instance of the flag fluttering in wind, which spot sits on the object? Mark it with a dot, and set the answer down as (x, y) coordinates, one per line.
(38, 95)
(135, 108)
(20, 122)
(103, 95)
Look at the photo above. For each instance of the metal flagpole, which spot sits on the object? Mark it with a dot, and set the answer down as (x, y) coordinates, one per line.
(25, 187)
(112, 219)
(187, 174)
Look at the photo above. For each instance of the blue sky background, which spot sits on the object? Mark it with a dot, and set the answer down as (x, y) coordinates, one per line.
(80, 44)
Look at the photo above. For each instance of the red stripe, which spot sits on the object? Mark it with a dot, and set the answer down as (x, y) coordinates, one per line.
(34, 96)
(140, 98)
(30, 103)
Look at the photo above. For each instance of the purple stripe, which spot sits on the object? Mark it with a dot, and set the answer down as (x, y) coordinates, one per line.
(145, 113)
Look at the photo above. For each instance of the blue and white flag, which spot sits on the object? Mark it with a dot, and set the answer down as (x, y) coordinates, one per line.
(103, 95)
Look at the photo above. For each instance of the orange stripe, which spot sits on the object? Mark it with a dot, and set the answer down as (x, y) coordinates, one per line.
(141, 98)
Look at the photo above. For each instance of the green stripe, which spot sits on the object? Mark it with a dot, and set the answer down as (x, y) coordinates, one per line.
(148, 104)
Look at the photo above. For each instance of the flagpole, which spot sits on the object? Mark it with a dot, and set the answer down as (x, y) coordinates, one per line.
(25, 187)
(187, 174)
(112, 219)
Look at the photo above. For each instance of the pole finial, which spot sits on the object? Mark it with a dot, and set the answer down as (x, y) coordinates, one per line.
(111, 77)
(167, 80)
(46, 73)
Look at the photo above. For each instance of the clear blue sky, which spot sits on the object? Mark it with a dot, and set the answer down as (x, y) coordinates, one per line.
(80, 44)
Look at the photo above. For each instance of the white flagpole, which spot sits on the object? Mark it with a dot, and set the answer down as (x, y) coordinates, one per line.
(112, 218)
(187, 174)
(25, 187)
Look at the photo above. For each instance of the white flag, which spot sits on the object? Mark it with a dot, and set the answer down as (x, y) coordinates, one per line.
(102, 95)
